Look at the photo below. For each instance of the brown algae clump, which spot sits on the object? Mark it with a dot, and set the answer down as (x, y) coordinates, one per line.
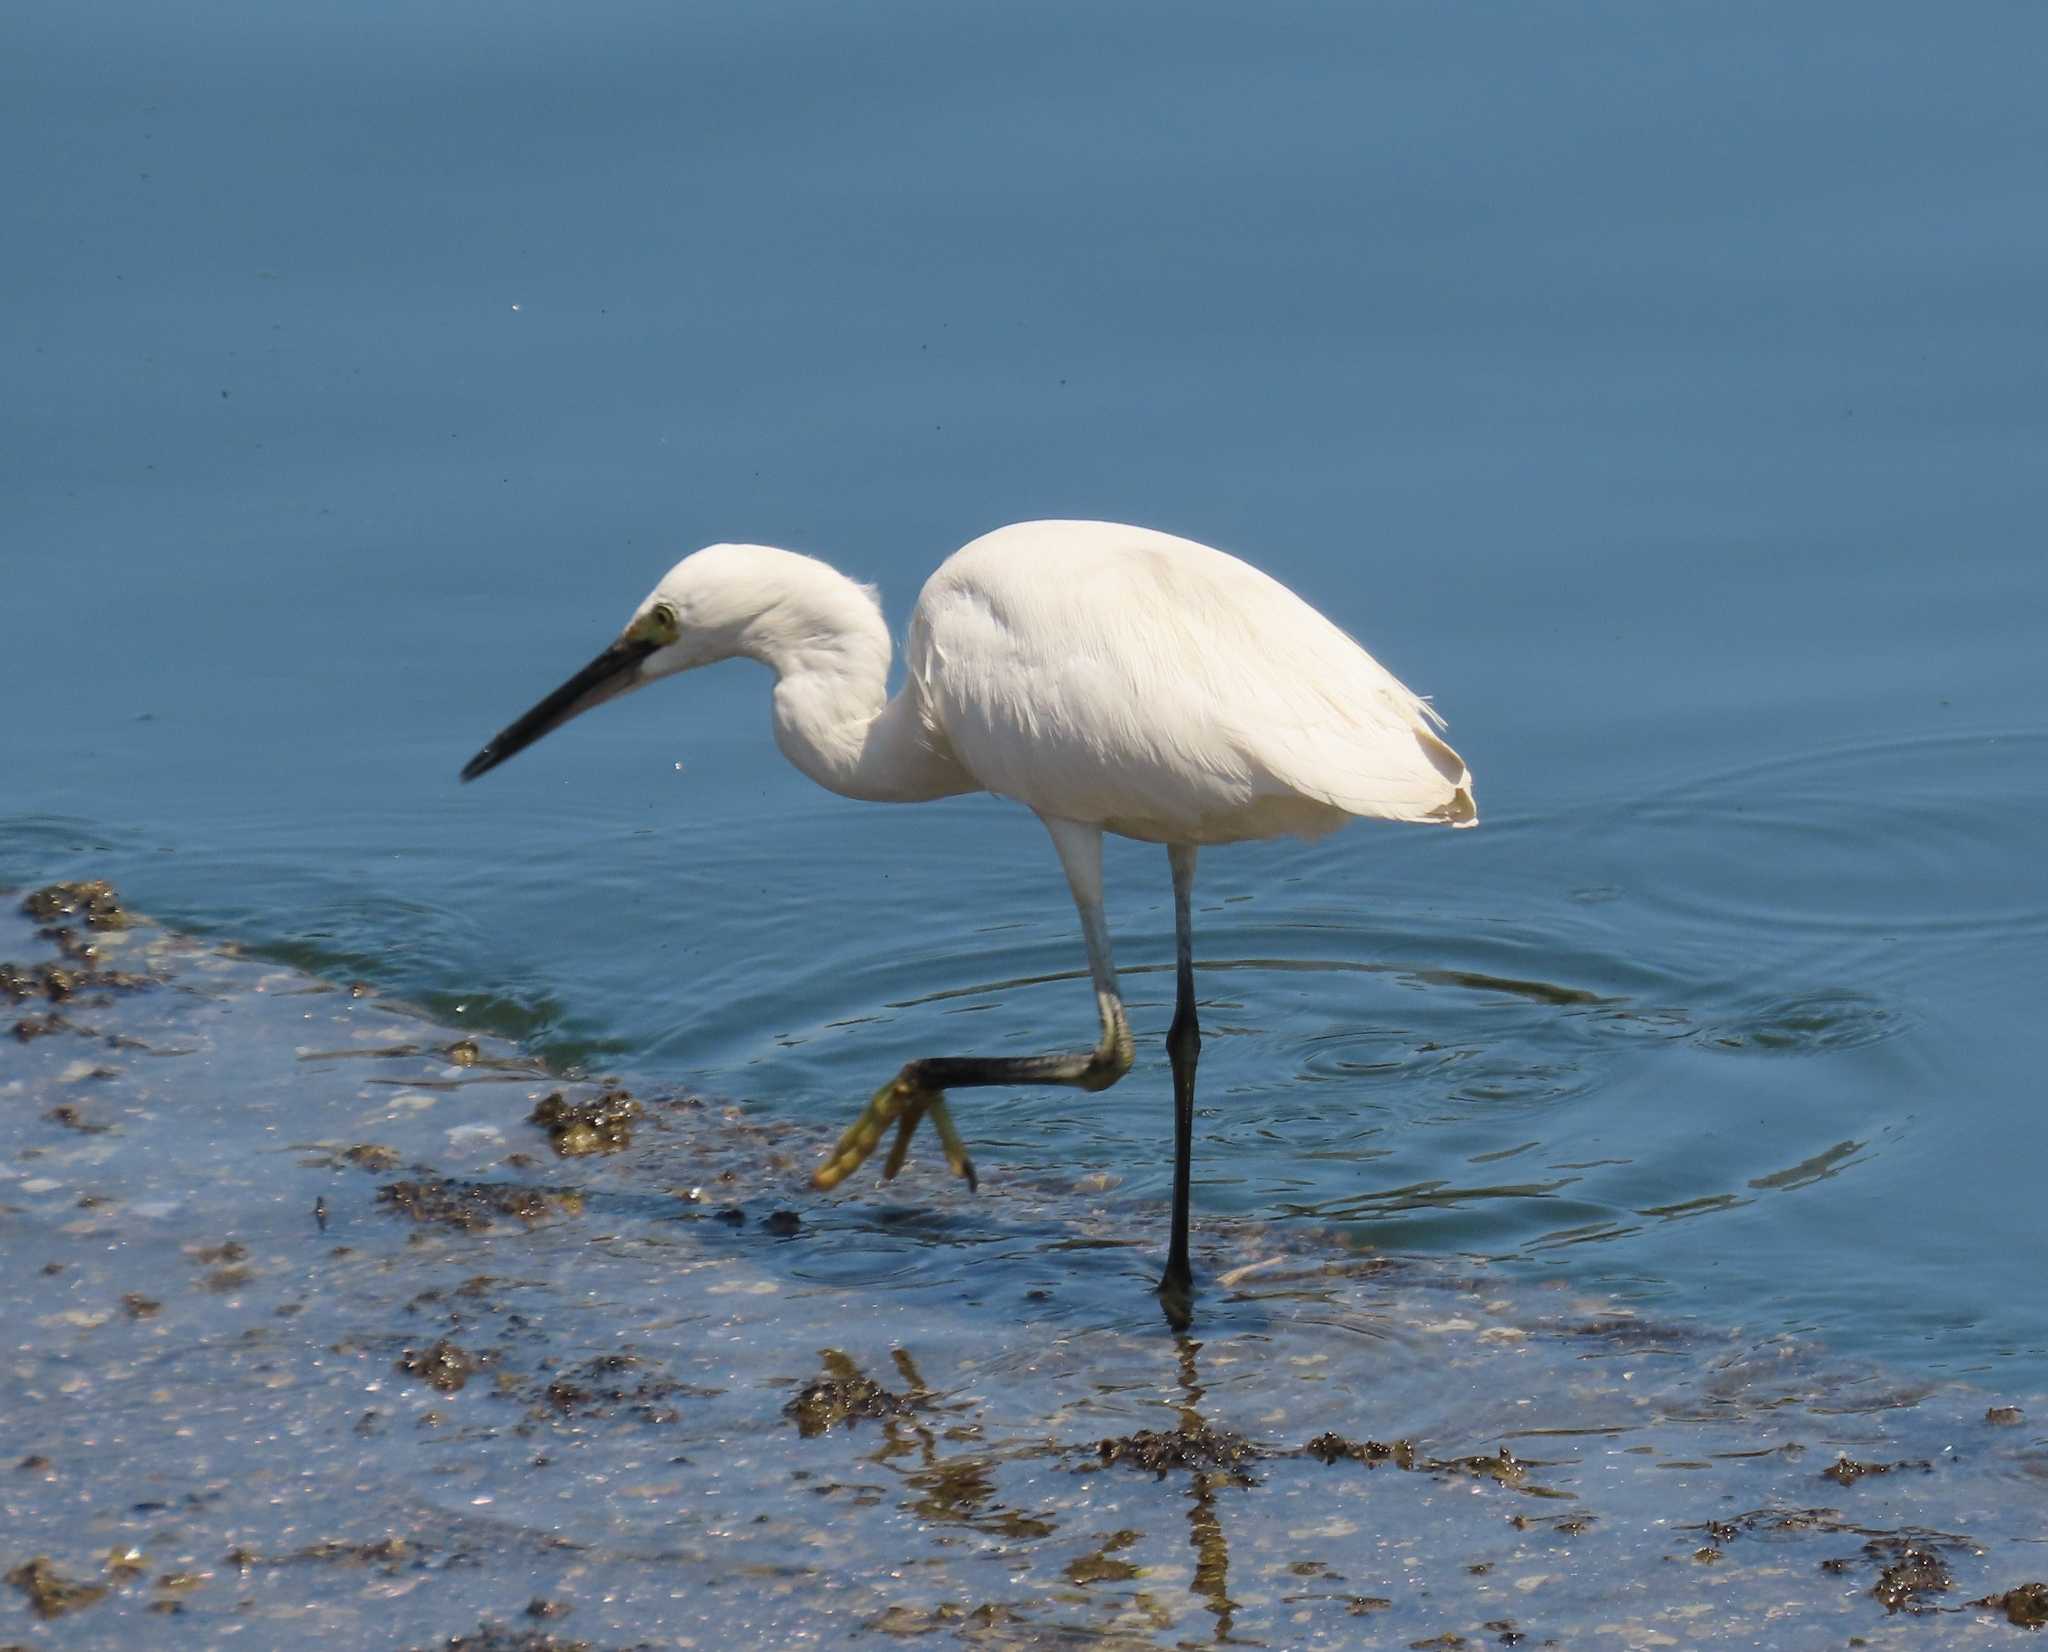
(1503, 1466)
(372, 1156)
(389, 1555)
(615, 1383)
(1102, 1566)
(1198, 1447)
(1846, 1471)
(492, 1637)
(2025, 1607)
(59, 984)
(1332, 1448)
(72, 1119)
(93, 901)
(842, 1395)
(444, 1365)
(602, 1125)
(474, 1206)
(49, 1592)
(1913, 1572)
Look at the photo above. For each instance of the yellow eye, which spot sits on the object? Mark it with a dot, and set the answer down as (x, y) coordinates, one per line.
(658, 626)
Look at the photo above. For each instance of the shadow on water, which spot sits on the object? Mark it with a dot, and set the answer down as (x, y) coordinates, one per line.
(340, 1317)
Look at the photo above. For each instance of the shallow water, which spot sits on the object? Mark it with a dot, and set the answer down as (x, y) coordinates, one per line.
(1659, 396)
(311, 1334)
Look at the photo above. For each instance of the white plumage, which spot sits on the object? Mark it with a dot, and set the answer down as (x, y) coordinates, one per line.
(1166, 691)
(1111, 679)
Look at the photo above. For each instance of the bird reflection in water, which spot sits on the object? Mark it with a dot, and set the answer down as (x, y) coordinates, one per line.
(1205, 1524)
(952, 1491)
(957, 1487)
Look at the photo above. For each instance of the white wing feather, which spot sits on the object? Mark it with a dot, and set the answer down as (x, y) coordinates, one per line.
(1167, 690)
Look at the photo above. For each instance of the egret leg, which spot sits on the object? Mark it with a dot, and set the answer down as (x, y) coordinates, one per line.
(1184, 1049)
(919, 1089)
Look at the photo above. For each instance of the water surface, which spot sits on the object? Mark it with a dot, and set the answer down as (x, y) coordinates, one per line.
(1656, 392)
(311, 1331)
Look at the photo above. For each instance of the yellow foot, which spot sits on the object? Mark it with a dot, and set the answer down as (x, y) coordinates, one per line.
(903, 1104)
(950, 1143)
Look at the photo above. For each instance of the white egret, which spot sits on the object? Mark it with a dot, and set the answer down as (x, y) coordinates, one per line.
(1110, 679)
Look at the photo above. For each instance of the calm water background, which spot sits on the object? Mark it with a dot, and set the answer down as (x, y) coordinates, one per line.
(1661, 390)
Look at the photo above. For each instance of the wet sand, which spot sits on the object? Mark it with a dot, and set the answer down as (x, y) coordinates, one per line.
(324, 1322)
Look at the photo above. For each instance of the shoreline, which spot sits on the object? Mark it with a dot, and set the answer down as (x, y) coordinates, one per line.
(313, 1320)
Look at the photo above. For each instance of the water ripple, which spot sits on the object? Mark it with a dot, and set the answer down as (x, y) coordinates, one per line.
(1809, 1024)
(1892, 839)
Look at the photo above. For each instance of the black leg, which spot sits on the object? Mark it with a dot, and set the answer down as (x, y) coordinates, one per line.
(1184, 1049)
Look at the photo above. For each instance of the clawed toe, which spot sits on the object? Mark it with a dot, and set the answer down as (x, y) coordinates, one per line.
(951, 1145)
(903, 1103)
(906, 1127)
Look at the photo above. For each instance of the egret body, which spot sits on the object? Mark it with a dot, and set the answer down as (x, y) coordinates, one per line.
(1108, 678)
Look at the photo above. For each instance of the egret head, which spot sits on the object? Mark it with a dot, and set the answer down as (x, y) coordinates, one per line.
(697, 615)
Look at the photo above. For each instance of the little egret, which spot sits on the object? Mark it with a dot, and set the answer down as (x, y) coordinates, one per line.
(1110, 679)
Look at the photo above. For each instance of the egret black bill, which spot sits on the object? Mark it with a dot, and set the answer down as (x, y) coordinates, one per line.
(608, 676)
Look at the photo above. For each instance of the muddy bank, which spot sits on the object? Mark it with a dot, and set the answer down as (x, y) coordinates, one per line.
(321, 1321)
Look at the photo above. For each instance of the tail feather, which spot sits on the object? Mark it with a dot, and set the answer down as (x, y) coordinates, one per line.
(1459, 809)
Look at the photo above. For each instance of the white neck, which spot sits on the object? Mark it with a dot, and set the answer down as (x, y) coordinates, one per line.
(828, 645)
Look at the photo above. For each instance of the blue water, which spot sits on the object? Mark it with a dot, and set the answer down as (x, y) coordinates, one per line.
(1659, 390)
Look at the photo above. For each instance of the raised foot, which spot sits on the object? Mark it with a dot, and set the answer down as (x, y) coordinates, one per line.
(903, 1102)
